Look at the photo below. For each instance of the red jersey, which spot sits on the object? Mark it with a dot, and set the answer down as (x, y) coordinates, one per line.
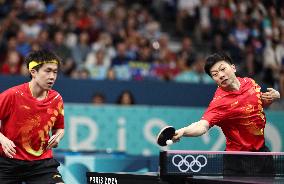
(27, 121)
(240, 115)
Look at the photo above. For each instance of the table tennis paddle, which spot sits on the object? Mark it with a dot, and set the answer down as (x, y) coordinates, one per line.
(51, 140)
(165, 136)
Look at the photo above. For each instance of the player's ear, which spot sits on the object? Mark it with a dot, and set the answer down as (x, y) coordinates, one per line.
(33, 72)
(234, 67)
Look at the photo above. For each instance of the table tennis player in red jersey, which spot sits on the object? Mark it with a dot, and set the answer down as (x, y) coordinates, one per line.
(29, 113)
(237, 108)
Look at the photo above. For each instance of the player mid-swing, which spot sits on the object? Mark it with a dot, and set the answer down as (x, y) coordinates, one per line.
(238, 108)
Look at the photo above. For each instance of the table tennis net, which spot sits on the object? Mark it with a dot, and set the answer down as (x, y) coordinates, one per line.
(221, 163)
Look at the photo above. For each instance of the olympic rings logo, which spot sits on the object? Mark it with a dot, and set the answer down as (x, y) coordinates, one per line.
(189, 162)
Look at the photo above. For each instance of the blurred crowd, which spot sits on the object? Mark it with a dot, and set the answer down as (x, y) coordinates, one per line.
(165, 40)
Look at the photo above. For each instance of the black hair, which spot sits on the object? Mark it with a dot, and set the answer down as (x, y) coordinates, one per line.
(119, 99)
(214, 58)
(41, 56)
(98, 94)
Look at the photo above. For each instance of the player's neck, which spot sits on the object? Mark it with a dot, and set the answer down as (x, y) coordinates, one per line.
(36, 91)
(234, 86)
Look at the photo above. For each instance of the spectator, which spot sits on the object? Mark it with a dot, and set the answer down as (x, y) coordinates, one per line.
(97, 64)
(44, 40)
(82, 49)
(273, 55)
(187, 51)
(111, 74)
(31, 27)
(59, 46)
(121, 57)
(187, 16)
(125, 98)
(12, 63)
(23, 46)
(98, 98)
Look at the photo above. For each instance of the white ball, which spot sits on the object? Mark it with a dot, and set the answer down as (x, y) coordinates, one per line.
(169, 142)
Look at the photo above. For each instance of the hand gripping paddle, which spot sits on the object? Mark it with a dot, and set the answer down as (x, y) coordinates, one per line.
(165, 136)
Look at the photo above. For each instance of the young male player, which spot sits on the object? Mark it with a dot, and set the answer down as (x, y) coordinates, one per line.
(29, 113)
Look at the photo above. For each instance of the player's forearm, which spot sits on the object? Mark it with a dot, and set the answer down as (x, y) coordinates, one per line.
(196, 129)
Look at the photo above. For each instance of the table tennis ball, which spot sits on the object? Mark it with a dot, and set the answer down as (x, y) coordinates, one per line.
(169, 142)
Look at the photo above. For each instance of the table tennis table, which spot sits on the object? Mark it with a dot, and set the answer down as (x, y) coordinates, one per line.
(192, 167)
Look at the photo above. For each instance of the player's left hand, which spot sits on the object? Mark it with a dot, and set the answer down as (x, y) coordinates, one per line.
(269, 96)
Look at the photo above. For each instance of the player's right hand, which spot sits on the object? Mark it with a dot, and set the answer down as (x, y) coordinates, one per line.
(178, 134)
(8, 147)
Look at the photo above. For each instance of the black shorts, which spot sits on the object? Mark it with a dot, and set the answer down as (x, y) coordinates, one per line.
(13, 171)
(249, 165)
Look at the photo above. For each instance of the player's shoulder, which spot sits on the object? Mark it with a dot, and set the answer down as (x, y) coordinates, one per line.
(16, 89)
(53, 94)
(246, 80)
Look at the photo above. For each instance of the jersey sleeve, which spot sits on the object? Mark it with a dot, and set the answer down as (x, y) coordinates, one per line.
(6, 103)
(215, 113)
(59, 123)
